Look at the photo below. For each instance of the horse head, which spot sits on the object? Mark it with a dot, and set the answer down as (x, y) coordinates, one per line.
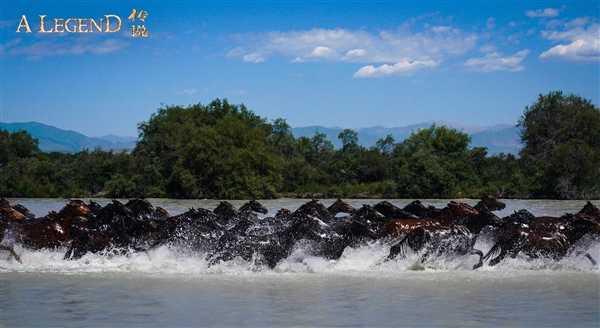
(489, 203)
(254, 206)
(340, 206)
(591, 211)
(140, 207)
(161, 213)
(520, 216)
(283, 213)
(75, 208)
(419, 210)
(313, 208)
(368, 213)
(4, 203)
(390, 210)
(11, 214)
(461, 210)
(225, 209)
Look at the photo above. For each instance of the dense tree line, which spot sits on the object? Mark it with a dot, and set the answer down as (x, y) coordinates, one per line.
(221, 150)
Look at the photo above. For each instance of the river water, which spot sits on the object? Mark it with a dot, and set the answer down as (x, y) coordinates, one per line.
(168, 288)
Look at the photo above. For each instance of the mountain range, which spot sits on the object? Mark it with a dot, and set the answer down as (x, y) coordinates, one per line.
(497, 138)
(51, 138)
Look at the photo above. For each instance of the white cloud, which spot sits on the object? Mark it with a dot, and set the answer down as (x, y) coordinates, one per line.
(487, 48)
(577, 50)
(355, 53)
(441, 29)
(579, 40)
(388, 47)
(547, 12)
(55, 46)
(321, 52)
(490, 23)
(253, 58)
(401, 67)
(579, 21)
(495, 61)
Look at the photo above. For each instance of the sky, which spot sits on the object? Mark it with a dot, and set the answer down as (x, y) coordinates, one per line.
(345, 64)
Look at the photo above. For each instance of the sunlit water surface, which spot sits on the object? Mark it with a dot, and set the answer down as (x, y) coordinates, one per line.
(169, 288)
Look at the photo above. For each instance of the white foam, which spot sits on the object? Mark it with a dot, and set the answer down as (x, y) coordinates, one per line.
(367, 259)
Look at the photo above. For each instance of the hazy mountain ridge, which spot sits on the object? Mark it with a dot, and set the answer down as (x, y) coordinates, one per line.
(497, 138)
(51, 138)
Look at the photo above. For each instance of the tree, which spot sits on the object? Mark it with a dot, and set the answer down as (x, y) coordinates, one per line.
(349, 139)
(385, 145)
(219, 151)
(434, 162)
(561, 134)
(16, 145)
(282, 138)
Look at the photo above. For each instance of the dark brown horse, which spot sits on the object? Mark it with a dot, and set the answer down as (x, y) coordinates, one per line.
(547, 237)
(52, 230)
(9, 217)
(433, 237)
(340, 206)
(490, 204)
(454, 213)
(449, 231)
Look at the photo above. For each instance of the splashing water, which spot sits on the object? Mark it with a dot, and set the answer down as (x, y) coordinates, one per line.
(368, 259)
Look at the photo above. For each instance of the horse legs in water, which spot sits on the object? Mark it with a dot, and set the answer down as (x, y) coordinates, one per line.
(12, 252)
(398, 248)
(589, 257)
(501, 254)
(480, 253)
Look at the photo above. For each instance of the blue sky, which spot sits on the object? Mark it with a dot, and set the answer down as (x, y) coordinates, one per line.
(343, 64)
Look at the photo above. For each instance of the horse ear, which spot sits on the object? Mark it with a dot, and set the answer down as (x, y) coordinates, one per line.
(4, 203)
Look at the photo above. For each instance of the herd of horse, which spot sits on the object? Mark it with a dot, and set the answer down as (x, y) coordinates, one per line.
(226, 233)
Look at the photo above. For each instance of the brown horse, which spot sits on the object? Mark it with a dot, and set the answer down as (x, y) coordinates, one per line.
(9, 217)
(52, 230)
(447, 232)
(548, 237)
(440, 219)
(432, 236)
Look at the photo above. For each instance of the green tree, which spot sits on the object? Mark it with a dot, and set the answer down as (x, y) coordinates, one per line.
(218, 151)
(16, 145)
(434, 162)
(349, 139)
(561, 134)
(385, 145)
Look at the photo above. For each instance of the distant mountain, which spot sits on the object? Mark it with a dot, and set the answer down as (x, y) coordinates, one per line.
(54, 139)
(497, 138)
(120, 140)
(500, 140)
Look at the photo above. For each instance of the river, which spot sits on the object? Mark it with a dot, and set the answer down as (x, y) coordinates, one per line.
(169, 288)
